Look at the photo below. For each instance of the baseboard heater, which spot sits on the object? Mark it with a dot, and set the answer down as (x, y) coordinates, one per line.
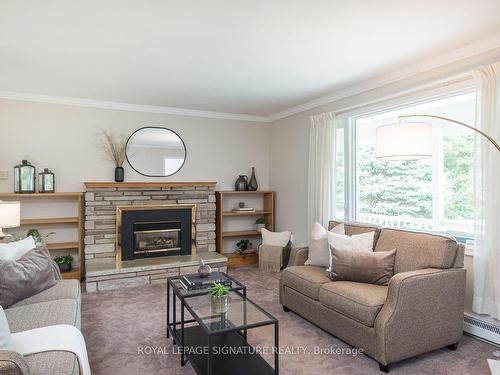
(482, 329)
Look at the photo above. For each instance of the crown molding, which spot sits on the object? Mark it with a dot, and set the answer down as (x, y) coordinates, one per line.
(80, 102)
(463, 53)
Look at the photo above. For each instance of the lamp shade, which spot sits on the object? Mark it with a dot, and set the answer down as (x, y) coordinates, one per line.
(404, 141)
(10, 214)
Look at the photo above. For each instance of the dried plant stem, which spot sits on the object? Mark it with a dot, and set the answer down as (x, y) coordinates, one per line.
(114, 148)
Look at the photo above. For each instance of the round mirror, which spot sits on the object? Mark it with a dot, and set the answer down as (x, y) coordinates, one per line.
(155, 152)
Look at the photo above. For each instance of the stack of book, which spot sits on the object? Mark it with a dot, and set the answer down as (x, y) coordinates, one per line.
(243, 209)
(195, 282)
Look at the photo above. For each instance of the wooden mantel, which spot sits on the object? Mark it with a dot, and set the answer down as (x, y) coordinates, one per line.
(99, 185)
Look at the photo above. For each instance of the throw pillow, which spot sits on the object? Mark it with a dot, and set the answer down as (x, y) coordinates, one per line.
(15, 250)
(357, 242)
(26, 276)
(5, 340)
(275, 238)
(373, 268)
(319, 251)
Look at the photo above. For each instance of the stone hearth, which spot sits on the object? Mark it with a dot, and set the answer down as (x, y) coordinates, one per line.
(103, 270)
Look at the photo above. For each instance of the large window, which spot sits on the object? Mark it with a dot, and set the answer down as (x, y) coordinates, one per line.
(435, 194)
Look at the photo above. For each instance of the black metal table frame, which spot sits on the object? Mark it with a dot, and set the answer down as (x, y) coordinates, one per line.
(240, 290)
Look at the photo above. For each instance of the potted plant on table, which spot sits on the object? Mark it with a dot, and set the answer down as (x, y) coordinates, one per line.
(218, 295)
(64, 262)
(259, 224)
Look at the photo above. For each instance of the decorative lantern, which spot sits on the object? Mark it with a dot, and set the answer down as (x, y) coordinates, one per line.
(46, 181)
(24, 178)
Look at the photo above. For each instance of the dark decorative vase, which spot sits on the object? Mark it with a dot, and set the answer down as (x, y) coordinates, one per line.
(119, 174)
(241, 183)
(252, 184)
(64, 267)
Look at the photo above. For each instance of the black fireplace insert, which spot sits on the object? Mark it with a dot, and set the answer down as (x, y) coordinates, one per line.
(155, 232)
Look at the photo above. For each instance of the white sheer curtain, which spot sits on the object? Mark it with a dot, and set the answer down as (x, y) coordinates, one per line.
(486, 298)
(321, 188)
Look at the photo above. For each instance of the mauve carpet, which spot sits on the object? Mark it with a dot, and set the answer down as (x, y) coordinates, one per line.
(119, 325)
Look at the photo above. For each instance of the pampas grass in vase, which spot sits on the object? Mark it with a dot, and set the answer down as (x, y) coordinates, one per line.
(114, 147)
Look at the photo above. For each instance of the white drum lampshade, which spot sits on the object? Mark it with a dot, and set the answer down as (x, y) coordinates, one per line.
(404, 141)
(10, 215)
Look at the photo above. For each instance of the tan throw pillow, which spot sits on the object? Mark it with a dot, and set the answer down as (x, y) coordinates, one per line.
(26, 276)
(364, 267)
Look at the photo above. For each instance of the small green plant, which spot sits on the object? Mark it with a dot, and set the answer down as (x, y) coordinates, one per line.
(242, 245)
(63, 259)
(218, 290)
(260, 220)
(37, 236)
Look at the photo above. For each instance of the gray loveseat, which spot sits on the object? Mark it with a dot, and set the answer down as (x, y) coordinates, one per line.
(419, 311)
(59, 304)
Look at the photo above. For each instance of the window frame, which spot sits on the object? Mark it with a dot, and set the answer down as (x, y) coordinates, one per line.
(351, 156)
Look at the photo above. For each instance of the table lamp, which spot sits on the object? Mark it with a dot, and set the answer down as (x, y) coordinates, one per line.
(10, 216)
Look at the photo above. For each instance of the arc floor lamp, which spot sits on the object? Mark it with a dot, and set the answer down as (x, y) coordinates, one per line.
(412, 140)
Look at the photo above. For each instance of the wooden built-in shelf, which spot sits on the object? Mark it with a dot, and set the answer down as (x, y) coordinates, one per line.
(245, 213)
(223, 214)
(76, 272)
(240, 260)
(40, 195)
(241, 233)
(63, 245)
(244, 192)
(51, 220)
(73, 274)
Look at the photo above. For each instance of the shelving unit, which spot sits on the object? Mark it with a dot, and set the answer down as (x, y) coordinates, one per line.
(76, 272)
(224, 215)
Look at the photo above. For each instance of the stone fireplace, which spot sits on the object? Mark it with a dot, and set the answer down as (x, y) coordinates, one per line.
(139, 233)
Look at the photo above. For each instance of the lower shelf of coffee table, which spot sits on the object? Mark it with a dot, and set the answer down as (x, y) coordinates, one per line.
(235, 361)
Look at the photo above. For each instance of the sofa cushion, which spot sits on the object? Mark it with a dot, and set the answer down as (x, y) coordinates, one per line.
(54, 362)
(305, 279)
(352, 229)
(416, 250)
(375, 267)
(358, 301)
(64, 289)
(63, 311)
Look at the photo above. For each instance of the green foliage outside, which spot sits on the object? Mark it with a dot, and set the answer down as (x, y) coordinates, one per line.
(404, 188)
(459, 188)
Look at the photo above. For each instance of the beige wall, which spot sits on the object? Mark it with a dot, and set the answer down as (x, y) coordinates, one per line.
(65, 139)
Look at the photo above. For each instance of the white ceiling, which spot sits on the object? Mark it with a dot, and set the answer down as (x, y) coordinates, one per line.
(235, 56)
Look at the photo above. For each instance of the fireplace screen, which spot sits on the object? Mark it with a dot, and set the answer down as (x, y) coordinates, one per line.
(157, 240)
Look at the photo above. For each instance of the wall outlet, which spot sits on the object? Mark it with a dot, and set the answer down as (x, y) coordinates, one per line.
(4, 175)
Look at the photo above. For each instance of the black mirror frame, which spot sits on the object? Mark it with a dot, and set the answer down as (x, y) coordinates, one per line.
(155, 127)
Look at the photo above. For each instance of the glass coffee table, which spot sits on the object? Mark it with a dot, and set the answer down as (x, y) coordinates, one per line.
(217, 343)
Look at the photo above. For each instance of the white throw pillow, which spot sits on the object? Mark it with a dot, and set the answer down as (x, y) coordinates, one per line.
(275, 238)
(319, 252)
(15, 250)
(5, 339)
(358, 242)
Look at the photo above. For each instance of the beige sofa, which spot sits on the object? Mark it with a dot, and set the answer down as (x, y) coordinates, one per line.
(419, 311)
(59, 304)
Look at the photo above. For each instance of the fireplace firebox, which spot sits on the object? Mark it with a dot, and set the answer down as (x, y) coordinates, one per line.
(154, 231)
